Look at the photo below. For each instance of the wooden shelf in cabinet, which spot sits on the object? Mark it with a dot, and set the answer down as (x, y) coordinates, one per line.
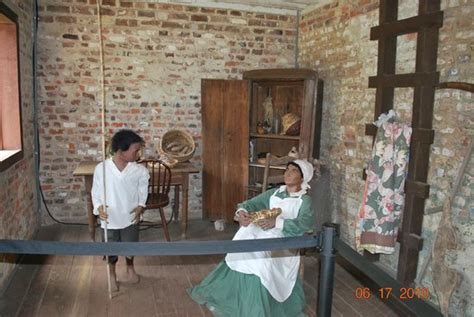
(277, 167)
(274, 136)
(254, 188)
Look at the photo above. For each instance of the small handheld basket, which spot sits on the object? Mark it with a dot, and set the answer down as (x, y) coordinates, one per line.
(264, 214)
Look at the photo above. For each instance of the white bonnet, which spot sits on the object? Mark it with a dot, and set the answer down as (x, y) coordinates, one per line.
(308, 172)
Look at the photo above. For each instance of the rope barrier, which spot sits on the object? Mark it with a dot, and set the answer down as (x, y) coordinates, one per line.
(326, 243)
(154, 248)
(325, 238)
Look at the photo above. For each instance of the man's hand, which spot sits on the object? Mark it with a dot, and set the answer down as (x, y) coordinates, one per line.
(102, 213)
(267, 223)
(244, 218)
(137, 211)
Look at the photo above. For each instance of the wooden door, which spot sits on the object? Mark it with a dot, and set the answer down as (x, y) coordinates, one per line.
(225, 130)
(307, 120)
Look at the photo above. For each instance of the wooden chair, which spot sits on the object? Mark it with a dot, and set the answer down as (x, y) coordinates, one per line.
(267, 178)
(158, 190)
(266, 171)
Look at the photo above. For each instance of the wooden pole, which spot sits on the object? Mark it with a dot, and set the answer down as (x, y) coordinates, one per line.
(104, 157)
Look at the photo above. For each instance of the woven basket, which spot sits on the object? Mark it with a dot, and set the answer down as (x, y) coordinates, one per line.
(177, 144)
(291, 124)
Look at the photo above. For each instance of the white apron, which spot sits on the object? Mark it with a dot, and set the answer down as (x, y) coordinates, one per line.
(277, 269)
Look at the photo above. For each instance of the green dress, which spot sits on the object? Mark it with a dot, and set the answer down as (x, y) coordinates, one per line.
(228, 293)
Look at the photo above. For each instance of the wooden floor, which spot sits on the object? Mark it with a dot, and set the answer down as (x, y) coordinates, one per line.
(77, 285)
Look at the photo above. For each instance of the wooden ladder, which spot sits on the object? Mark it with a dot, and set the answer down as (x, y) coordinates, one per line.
(424, 81)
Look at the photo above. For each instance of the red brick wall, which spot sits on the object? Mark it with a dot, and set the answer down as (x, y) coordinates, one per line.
(334, 39)
(19, 218)
(155, 57)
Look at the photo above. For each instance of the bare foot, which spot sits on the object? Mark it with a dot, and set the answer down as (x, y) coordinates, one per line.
(132, 277)
(114, 285)
(113, 278)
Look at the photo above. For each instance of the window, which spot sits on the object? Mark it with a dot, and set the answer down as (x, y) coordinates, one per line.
(11, 147)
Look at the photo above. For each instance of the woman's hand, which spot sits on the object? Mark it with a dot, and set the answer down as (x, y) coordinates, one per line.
(244, 218)
(138, 212)
(102, 213)
(267, 223)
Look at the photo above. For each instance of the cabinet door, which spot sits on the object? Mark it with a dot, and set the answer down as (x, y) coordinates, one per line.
(225, 146)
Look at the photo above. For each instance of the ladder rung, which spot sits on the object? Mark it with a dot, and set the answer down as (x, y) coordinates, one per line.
(409, 25)
(404, 80)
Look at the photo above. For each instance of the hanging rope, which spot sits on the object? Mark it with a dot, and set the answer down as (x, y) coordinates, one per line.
(102, 102)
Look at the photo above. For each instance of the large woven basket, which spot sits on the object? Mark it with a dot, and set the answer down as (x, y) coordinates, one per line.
(177, 144)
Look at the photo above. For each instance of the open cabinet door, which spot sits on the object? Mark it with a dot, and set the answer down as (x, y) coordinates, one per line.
(225, 130)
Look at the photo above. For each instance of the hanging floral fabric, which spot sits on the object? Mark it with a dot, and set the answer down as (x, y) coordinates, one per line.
(382, 205)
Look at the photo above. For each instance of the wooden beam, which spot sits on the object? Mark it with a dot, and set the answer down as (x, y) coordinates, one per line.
(424, 81)
(387, 49)
(423, 101)
(422, 135)
(418, 189)
(386, 62)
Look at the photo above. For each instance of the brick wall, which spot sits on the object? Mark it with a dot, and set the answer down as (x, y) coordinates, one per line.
(18, 209)
(155, 57)
(334, 39)
(156, 54)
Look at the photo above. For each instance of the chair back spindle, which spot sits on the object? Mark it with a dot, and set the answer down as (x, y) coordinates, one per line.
(158, 190)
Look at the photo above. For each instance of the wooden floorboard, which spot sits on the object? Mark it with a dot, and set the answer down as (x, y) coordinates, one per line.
(34, 294)
(83, 271)
(81, 275)
(98, 292)
(26, 271)
(77, 285)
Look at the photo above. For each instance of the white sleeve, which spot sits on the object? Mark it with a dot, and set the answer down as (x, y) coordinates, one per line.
(143, 186)
(97, 188)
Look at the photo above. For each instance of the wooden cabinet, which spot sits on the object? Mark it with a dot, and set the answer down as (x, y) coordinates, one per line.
(225, 146)
(231, 112)
(295, 91)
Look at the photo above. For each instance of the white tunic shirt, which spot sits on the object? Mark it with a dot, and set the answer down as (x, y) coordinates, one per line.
(125, 190)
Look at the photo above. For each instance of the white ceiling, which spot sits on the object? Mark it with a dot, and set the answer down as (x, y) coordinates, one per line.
(277, 4)
(270, 6)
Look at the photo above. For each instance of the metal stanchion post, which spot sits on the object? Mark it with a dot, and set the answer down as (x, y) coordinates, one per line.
(326, 272)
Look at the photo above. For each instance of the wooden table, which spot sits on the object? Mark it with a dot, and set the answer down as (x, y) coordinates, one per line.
(179, 178)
